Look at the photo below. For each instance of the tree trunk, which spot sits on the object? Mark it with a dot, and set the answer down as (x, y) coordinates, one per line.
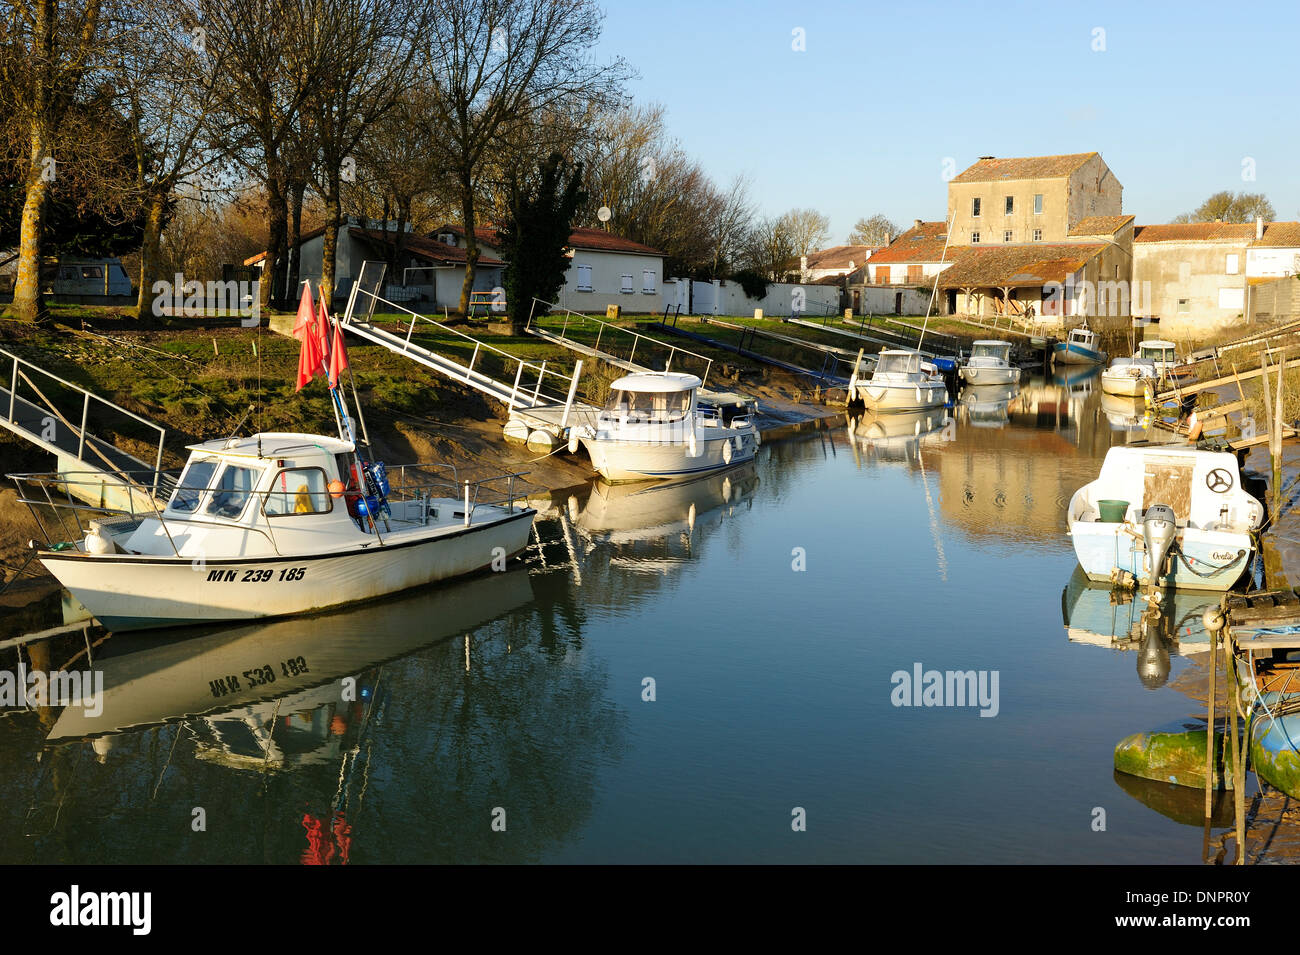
(295, 233)
(471, 242)
(330, 240)
(150, 252)
(277, 218)
(29, 305)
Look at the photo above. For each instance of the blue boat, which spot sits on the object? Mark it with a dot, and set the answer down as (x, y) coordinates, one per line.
(1079, 348)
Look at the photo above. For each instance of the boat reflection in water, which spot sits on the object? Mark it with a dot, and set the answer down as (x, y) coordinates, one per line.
(233, 684)
(897, 437)
(1098, 615)
(1126, 414)
(985, 406)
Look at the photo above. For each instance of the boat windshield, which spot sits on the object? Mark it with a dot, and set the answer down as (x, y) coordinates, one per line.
(990, 350)
(898, 364)
(648, 407)
(1157, 352)
(193, 483)
(233, 489)
(1082, 336)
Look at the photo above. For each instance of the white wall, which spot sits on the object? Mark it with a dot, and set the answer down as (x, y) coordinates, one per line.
(883, 300)
(729, 298)
(1272, 263)
(607, 271)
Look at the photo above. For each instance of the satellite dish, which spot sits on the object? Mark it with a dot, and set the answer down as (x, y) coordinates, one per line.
(603, 214)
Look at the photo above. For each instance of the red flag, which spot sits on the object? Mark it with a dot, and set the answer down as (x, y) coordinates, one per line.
(338, 358)
(306, 312)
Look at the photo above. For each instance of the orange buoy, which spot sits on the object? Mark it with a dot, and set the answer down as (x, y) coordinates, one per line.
(336, 489)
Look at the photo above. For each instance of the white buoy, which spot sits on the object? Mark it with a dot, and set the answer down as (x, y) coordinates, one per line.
(540, 440)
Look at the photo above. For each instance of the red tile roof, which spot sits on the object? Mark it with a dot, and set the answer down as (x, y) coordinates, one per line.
(1016, 266)
(1283, 235)
(1195, 232)
(923, 243)
(1029, 167)
(427, 248)
(594, 239)
(839, 257)
(1100, 225)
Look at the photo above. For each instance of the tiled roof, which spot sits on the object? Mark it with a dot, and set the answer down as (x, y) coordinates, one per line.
(1029, 167)
(1017, 266)
(427, 248)
(1282, 235)
(1195, 232)
(838, 257)
(595, 239)
(1100, 225)
(923, 243)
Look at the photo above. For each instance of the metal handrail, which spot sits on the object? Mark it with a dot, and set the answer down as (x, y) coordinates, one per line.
(478, 344)
(85, 408)
(602, 325)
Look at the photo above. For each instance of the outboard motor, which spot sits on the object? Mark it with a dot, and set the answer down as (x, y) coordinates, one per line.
(1159, 531)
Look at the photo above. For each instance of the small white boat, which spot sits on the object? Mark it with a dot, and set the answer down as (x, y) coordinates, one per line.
(1164, 355)
(1081, 347)
(901, 381)
(1129, 377)
(653, 426)
(1177, 513)
(273, 525)
(990, 364)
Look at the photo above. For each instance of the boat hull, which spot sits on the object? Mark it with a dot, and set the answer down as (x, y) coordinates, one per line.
(990, 376)
(1125, 386)
(1221, 558)
(618, 460)
(135, 592)
(1065, 353)
(909, 397)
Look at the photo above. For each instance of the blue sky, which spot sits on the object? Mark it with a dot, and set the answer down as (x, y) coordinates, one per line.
(863, 119)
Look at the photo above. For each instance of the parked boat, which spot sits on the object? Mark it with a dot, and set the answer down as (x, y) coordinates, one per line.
(1129, 377)
(1178, 513)
(273, 525)
(990, 364)
(653, 426)
(901, 381)
(1267, 664)
(1163, 354)
(1081, 347)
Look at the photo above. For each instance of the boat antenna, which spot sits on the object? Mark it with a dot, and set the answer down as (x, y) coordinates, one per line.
(241, 421)
(947, 234)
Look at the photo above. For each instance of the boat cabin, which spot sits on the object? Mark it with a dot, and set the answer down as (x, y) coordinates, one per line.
(998, 351)
(1162, 352)
(651, 398)
(902, 363)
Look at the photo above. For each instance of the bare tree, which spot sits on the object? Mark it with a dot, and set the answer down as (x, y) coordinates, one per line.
(48, 50)
(1226, 207)
(368, 66)
(874, 230)
(808, 229)
(490, 64)
(770, 247)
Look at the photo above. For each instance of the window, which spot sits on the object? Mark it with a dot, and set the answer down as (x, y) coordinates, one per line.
(648, 281)
(915, 274)
(649, 407)
(194, 482)
(1011, 205)
(1038, 235)
(1232, 264)
(231, 492)
(298, 491)
(974, 238)
(1006, 236)
(91, 272)
(626, 288)
(1038, 204)
(584, 278)
(882, 275)
(975, 208)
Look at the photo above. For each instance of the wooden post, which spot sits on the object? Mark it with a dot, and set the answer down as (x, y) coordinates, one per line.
(1276, 438)
(1238, 757)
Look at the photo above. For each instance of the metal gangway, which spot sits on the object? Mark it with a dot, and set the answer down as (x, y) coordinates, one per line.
(611, 333)
(28, 410)
(542, 403)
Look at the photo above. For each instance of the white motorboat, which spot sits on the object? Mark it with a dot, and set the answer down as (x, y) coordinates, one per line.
(654, 426)
(1175, 516)
(1081, 347)
(1130, 377)
(272, 525)
(990, 364)
(901, 381)
(1164, 355)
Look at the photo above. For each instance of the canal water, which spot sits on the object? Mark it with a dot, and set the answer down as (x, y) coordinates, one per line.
(703, 672)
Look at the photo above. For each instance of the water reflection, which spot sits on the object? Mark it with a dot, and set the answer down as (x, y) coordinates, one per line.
(986, 406)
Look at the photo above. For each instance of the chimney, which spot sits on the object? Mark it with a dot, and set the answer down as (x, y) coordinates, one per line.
(1259, 227)
(916, 223)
